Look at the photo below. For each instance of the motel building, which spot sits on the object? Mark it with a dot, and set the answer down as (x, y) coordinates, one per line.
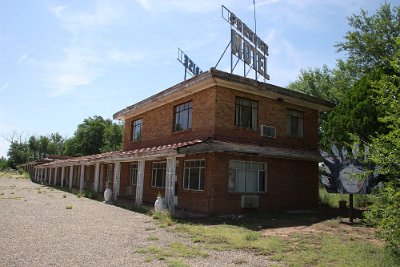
(217, 143)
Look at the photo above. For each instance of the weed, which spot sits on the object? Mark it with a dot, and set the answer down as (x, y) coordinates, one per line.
(164, 218)
(252, 236)
(64, 196)
(69, 207)
(139, 209)
(177, 263)
(239, 261)
(173, 250)
(152, 238)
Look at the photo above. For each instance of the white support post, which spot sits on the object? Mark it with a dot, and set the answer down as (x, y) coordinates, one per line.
(55, 175)
(116, 178)
(96, 177)
(71, 173)
(82, 178)
(170, 184)
(35, 174)
(62, 176)
(139, 183)
(45, 175)
(41, 176)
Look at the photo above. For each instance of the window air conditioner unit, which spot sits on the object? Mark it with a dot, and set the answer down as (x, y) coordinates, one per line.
(249, 202)
(128, 191)
(268, 131)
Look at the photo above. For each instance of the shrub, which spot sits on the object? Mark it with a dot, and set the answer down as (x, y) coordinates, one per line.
(385, 215)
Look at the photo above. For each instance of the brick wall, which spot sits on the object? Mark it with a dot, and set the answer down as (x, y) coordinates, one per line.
(271, 113)
(157, 128)
(214, 116)
(290, 184)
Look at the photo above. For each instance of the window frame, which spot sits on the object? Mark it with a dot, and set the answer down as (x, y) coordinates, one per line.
(259, 171)
(154, 172)
(133, 171)
(201, 177)
(138, 123)
(240, 105)
(179, 110)
(299, 117)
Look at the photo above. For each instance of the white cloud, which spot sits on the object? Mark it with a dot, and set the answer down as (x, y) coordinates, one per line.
(78, 66)
(103, 14)
(187, 6)
(23, 58)
(4, 87)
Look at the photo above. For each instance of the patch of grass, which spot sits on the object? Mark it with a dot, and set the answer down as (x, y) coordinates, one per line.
(140, 209)
(173, 250)
(152, 238)
(239, 261)
(333, 246)
(252, 236)
(164, 218)
(332, 199)
(69, 207)
(177, 263)
(64, 196)
(12, 197)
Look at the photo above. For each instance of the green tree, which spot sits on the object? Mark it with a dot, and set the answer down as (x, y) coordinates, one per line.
(356, 114)
(3, 163)
(18, 153)
(43, 144)
(33, 146)
(371, 43)
(113, 135)
(385, 213)
(93, 136)
(56, 144)
(322, 82)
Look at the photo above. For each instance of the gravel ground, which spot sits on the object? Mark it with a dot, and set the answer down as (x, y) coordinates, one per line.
(42, 226)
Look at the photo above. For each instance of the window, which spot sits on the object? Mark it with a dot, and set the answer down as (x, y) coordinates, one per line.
(159, 173)
(183, 117)
(133, 173)
(194, 175)
(246, 113)
(246, 176)
(294, 123)
(136, 130)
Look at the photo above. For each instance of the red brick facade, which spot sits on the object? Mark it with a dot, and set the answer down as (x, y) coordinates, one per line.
(291, 183)
(224, 134)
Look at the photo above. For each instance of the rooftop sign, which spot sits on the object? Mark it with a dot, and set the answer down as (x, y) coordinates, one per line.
(190, 66)
(246, 46)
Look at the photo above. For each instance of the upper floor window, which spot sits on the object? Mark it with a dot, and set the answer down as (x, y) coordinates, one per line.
(183, 117)
(133, 173)
(194, 175)
(294, 123)
(246, 176)
(159, 173)
(246, 113)
(136, 130)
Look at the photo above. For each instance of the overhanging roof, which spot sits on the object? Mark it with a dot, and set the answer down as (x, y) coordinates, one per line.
(214, 77)
(246, 149)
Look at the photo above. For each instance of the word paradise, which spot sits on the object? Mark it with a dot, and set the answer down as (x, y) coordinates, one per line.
(246, 45)
(189, 65)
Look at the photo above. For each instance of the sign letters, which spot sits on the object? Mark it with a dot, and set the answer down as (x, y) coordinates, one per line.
(246, 45)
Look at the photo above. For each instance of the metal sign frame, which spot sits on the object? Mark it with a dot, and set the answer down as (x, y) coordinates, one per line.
(246, 46)
(190, 66)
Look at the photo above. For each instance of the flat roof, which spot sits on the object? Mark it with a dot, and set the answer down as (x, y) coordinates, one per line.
(214, 77)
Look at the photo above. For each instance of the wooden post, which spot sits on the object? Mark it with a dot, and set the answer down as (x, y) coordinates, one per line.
(351, 208)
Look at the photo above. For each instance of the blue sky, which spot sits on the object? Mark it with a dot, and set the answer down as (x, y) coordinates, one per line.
(63, 61)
